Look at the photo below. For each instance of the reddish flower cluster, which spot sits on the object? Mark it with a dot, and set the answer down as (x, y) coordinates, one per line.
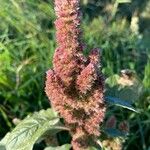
(124, 126)
(111, 122)
(75, 85)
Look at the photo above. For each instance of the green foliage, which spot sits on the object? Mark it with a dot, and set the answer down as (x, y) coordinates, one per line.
(93, 148)
(146, 80)
(64, 147)
(111, 132)
(34, 127)
(128, 89)
(24, 36)
(119, 102)
(31, 129)
(123, 1)
(116, 48)
(26, 50)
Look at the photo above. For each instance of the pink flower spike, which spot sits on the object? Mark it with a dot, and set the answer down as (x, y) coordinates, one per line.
(75, 86)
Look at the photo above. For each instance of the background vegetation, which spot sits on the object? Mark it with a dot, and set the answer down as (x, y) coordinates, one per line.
(27, 44)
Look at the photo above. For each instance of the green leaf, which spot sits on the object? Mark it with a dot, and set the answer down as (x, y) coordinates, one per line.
(93, 148)
(67, 147)
(146, 80)
(31, 129)
(121, 103)
(112, 132)
(64, 147)
(123, 1)
(112, 80)
(122, 88)
(2, 147)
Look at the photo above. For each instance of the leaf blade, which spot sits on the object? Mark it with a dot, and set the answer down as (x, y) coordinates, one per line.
(30, 130)
(121, 103)
(63, 147)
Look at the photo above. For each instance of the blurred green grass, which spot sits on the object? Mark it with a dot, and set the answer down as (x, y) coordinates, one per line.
(27, 44)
